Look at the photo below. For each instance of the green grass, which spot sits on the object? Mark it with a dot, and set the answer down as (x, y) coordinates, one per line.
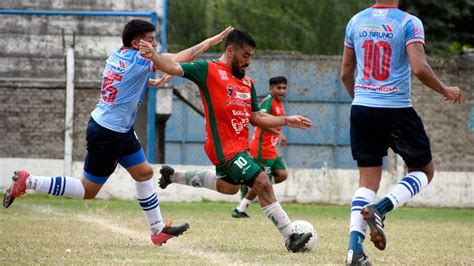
(47, 230)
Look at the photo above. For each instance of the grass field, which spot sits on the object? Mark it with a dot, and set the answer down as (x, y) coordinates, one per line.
(46, 230)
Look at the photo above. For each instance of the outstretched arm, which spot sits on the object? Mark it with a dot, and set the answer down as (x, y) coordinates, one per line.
(347, 70)
(197, 50)
(161, 62)
(423, 71)
(263, 120)
(167, 62)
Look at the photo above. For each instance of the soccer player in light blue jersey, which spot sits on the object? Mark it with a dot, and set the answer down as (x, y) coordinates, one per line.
(383, 45)
(111, 139)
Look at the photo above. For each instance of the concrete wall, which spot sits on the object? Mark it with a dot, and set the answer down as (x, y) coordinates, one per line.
(32, 117)
(448, 189)
(33, 75)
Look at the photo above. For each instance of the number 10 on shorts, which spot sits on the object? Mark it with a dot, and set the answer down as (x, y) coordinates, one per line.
(241, 162)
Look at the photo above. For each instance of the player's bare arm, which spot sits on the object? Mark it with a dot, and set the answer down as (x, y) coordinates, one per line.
(347, 70)
(191, 54)
(163, 63)
(422, 70)
(264, 120)
(197, 50)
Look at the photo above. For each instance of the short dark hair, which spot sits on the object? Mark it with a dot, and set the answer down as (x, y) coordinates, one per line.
(239, 38)
(277, 80)
(135, 28)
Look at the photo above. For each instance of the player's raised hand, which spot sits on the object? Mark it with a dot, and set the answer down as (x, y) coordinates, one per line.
(160, 81)
(221, 36)
(146, 49)
(298, 121)
(453, 94)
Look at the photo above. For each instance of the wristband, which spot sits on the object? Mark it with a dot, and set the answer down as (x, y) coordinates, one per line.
(285, 121)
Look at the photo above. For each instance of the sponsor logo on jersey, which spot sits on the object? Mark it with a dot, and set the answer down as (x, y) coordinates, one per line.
(236, 97)
(239, 124)
(383, 31)
(277, 110)
(242, 95)
(240, 113)
(223, 74)
(244, 171)
(377, 88)
(418, 32)
(376, 12)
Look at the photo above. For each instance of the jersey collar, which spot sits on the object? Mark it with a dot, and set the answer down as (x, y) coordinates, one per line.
(384, 6)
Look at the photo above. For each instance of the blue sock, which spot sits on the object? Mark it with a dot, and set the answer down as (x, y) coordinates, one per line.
(384, 205)
(356, 239)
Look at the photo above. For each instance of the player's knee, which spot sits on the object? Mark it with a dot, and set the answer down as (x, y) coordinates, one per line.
(262, 184)
(280, 176)
(232, 190)
(144, 174)
(148, 172)
(226, 188)
(428, 170)
(430, 174)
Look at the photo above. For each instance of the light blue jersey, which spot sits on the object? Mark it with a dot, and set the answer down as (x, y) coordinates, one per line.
(124, 80)
(379, 36)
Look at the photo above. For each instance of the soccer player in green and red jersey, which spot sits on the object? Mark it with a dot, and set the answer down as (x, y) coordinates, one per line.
(263, 145)
(230, 104)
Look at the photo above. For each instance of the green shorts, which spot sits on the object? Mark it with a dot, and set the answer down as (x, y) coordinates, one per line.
(241, 169)
(270, 165)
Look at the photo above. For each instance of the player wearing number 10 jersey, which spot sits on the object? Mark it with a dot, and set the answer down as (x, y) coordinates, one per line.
(230, 104)
(385, 44)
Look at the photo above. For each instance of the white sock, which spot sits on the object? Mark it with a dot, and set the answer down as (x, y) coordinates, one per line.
(407, 188)
(146, 195)
(362, 197)
(279, 218)
(244, 204)
(196, 178)
(57, 186)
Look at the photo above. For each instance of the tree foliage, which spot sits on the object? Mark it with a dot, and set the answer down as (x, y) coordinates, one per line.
(308, 26)
(448, 23)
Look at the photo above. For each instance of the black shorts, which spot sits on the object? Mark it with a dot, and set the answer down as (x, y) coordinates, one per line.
(106, 148)
(374, 130)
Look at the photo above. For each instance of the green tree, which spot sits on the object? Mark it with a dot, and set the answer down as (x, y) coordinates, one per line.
(311, 26)
(448, 24)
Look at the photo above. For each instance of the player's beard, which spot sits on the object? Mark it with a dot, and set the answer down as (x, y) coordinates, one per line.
(236, 69)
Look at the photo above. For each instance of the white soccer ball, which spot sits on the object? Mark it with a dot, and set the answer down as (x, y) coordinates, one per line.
(301, 226)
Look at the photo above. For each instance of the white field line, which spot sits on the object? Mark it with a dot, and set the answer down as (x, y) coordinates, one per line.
(212, 257)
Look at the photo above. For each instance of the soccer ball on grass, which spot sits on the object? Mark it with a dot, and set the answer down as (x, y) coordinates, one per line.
(303, 227)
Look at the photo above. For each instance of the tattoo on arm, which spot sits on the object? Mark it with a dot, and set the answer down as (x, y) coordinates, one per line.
(196, 50)
(419, 48)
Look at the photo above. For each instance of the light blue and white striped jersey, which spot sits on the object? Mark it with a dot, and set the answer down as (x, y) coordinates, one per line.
(379, 36)
(124, 80)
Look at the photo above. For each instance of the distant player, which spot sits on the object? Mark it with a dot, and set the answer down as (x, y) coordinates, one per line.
(111, 139)
(264, 142)
(230, 103)
(386, 44)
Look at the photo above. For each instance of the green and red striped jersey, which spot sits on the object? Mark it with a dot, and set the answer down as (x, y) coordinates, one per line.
(228, 102)
(263, 145)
